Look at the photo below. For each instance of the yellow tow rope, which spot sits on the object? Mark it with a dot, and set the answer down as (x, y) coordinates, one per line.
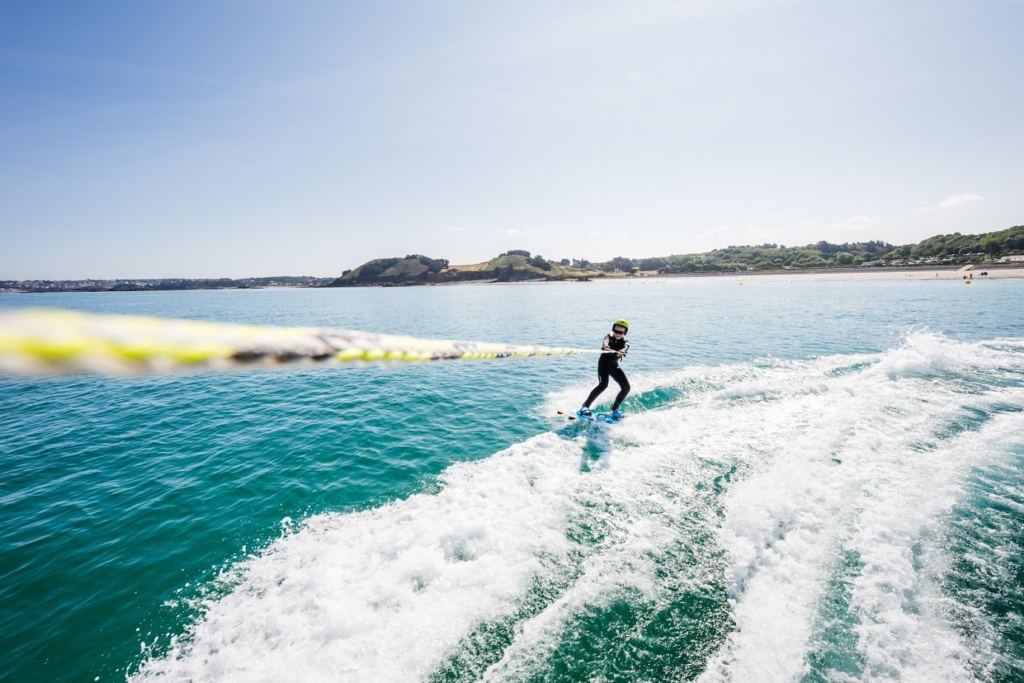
(48, 341)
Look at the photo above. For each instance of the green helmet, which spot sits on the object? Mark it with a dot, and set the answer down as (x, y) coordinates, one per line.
(622, 323)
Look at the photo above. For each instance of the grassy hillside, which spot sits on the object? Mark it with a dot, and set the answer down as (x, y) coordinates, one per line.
(513, 266)
(413, 269)
(521, 265)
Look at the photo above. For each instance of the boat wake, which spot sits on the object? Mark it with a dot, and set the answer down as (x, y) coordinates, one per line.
(849, 517)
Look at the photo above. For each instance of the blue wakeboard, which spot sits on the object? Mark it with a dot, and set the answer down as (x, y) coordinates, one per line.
(605, 418)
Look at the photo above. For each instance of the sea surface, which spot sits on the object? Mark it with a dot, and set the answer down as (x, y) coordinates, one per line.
(817, 481)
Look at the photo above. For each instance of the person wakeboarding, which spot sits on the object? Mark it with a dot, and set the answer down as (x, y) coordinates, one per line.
(614, 347)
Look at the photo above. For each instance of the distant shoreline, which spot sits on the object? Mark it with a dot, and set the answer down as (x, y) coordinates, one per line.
(896, 274)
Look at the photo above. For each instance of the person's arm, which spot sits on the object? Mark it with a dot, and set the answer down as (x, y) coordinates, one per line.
(606, 345)
(622, 353)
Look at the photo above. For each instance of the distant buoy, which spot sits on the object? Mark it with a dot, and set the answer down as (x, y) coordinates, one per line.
(967, 282)
(741, 284)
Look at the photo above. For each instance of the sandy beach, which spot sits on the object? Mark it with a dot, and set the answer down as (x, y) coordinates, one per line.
(979, 273)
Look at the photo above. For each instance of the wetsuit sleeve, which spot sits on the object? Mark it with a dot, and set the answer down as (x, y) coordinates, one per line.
(606, 345)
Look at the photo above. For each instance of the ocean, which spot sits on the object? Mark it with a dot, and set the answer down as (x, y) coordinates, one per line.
(817, 481)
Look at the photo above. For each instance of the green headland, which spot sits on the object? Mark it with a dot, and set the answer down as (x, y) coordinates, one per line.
(519, 265)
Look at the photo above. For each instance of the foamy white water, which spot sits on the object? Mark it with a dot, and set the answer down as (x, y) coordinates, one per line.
(807, 499)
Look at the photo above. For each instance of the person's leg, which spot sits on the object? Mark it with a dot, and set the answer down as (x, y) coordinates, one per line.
(620, 377)
(602, 378)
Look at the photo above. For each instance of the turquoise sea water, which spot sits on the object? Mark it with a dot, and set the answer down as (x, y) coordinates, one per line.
(819, 481)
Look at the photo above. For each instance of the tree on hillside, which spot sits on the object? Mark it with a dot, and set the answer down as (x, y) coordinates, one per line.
(433, 265)
(621, 263)
(539, 261)
(652, 263)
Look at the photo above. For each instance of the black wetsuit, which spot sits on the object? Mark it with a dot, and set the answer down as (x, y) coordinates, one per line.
(608, 366)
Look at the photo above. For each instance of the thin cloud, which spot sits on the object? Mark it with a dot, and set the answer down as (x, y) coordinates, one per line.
(615, 239)
(54, 61)
(755, 233)
(574, 26)
(456, 228)
(854, 225)
(708, 234)
(957, 200)
(516, 232)
(751, 233)
(953, 201)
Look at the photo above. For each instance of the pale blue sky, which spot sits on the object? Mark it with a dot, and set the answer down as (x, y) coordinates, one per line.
(211, 138)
